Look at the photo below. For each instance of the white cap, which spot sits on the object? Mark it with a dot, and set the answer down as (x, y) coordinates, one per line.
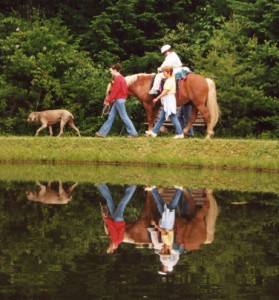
(165, 48)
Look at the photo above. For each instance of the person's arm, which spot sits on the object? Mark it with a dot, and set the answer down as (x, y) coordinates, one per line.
(114, 90)
(164, 93)
(165, 63)
(162, 230)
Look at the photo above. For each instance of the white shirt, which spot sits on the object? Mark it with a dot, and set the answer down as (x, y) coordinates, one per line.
(170, 261)
(168, 217)
(172, 60)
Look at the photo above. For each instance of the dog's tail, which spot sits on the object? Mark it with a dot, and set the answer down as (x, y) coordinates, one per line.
(71, 116)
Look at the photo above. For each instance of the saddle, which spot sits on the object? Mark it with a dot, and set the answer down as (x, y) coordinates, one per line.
(178, 76)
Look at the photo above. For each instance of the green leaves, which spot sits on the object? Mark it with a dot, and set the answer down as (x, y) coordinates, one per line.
(59, 62)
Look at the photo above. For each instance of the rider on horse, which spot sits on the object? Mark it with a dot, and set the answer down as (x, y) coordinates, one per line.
(171, 60)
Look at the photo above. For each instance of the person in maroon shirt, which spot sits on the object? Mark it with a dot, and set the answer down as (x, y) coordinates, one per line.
(114, 216)
(117, 96)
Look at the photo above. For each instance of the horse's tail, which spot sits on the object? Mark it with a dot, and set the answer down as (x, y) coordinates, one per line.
(212, 104)
(211, 217)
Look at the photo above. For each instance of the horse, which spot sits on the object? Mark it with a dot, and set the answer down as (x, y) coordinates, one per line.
(195, 230)
(200, 91)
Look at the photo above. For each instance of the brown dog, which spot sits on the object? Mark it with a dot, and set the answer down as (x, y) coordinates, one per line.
(50, 117)
(48, 195)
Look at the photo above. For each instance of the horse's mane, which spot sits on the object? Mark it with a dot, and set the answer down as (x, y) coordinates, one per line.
(132, 78)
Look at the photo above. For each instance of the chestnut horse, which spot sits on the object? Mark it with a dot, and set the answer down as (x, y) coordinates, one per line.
(200, 91)
(200, 229)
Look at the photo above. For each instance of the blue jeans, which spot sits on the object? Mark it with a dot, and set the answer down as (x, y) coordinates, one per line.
(117, 212)
(118, 107)
(160, 203)
(161, 120)
(183, 115)
(184, 206)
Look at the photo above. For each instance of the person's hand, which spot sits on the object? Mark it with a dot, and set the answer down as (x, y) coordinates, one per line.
(155, 100)
(106, 101)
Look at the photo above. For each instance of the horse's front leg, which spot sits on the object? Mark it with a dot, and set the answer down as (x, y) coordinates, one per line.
(151, 113)
(193, 117)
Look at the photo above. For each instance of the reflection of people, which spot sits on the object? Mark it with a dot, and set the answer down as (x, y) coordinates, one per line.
(49, 195)
(168, 256)
(172, 60)
(169, 106)
(183, 115)
(115, 222)
(118, 95)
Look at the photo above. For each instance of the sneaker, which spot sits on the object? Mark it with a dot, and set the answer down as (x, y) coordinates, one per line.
(149, 188)
(179, 136)
(132, 136)
(150, 133)
(98, 134)
(153, 92)
(178, 187)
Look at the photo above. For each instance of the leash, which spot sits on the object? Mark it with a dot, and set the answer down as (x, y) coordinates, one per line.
(106, 110)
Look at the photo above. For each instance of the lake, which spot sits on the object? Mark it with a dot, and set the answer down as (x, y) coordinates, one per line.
(73, 232)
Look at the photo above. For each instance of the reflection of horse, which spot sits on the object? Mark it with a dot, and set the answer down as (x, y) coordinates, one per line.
(136, 231)
(194, 231)
(47, 195)
(195, 88)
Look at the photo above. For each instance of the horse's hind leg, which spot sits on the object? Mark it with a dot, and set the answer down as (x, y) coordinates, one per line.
(193, 117)
(206, 116)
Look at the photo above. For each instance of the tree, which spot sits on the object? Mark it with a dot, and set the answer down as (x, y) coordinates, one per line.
(43, 68)
(238, 65)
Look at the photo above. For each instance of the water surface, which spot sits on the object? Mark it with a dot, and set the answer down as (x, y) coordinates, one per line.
(54, 243)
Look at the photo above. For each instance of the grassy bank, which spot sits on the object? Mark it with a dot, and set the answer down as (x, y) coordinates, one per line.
(234, 180)
(251, 154)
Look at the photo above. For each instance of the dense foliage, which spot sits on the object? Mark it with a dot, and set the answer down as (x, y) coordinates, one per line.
(56, 54)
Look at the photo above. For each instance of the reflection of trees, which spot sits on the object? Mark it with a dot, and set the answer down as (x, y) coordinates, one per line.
(37, 241)
(243, 253)
(45, 248)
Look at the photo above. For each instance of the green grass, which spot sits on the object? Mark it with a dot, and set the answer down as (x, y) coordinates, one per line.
(248, 154)
(234, 180)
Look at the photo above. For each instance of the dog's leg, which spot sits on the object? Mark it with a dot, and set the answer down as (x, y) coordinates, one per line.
(61, 189)
(50, 130)
(71, 123)
(39, 129)
(62, 124)
(71, 188)
(64, 196)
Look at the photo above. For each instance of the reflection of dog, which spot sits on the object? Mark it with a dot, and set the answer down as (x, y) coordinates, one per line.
(47, 195)
(50, 117)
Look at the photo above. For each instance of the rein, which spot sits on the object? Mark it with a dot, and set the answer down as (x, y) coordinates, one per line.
(106, 110)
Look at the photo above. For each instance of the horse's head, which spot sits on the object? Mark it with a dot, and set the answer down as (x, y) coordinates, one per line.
(139, 85)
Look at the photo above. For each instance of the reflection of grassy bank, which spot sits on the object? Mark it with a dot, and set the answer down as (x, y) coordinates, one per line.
(215, 153)
(213, 179)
